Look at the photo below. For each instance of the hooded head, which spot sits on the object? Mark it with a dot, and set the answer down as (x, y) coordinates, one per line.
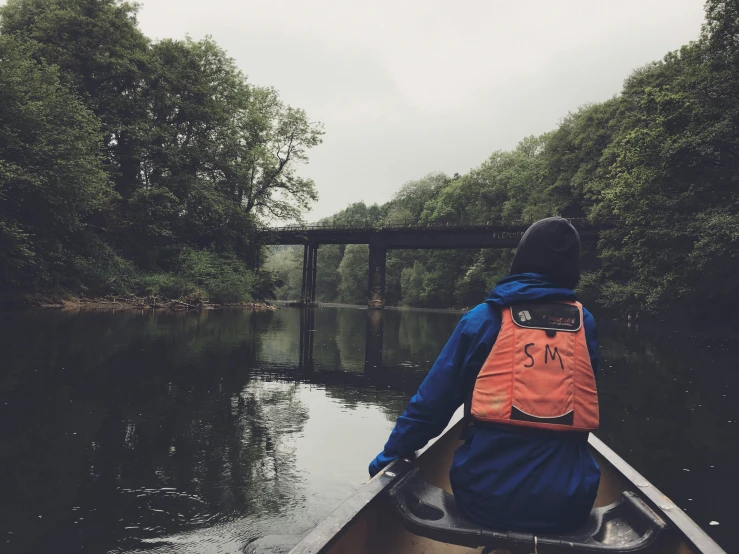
(550, 247)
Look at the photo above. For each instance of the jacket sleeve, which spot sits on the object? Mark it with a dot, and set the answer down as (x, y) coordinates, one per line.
(445, 387)
(591, 337)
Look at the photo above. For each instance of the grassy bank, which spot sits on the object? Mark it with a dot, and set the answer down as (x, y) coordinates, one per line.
(125, 303)
(198, 279)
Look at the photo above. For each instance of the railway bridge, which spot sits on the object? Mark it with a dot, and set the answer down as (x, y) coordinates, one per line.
(382, 238)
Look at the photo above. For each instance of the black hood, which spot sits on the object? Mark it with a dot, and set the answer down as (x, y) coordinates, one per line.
(550, 247)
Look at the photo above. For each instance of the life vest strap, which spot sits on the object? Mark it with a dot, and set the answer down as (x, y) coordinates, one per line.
(531, 431)
(565, 419)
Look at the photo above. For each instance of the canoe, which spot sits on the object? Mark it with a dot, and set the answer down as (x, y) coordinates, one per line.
(408, 508)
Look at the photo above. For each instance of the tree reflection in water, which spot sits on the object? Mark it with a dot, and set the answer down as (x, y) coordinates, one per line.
(127, 430)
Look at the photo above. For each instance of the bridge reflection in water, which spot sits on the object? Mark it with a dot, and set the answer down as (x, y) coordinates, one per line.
(373, 338)
(307, 334)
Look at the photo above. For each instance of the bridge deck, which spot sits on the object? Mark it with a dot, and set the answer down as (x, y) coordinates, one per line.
(414, 236)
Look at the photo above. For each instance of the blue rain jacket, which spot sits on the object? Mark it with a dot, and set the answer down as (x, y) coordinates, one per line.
(505, 479)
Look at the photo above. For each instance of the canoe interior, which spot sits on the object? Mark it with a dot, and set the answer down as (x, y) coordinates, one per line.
(377, 529)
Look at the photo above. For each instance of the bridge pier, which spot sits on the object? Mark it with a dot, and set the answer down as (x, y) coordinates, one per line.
(377, 256)
(305, 269)
(310, 270)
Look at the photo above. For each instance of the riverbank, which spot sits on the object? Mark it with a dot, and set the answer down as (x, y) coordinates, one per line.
(74, 303)
(297, 304)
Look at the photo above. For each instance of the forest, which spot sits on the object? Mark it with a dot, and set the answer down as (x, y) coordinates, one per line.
(661, 158)
(136, 167)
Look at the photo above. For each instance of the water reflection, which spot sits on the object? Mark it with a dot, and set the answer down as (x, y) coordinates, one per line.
(187, 432)
(198, 432)
(373, 339)
(307, 333)
(668, 398)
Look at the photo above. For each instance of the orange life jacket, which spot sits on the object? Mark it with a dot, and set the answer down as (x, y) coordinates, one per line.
(538, 373)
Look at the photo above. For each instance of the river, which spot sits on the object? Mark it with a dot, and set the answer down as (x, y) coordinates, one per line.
(185, 432)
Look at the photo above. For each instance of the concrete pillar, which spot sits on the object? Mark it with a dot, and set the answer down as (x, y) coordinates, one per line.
(377, 256)
(373, 345)
(310, 269)
(314, 274)
(305, 276)
(308, 275)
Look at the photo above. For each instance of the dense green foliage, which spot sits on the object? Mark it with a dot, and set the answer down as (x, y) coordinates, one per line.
(662, 157)
(132, 166)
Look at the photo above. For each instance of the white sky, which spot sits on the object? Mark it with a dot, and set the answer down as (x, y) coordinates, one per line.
(409, 87)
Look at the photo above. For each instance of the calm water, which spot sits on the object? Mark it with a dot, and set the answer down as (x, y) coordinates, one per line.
(193, 433)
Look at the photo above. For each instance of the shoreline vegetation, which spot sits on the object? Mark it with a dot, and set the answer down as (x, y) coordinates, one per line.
(125, 303)
(134, 167)
(363, 306)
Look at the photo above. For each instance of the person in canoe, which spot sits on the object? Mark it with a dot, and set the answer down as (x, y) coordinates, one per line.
(523, 363)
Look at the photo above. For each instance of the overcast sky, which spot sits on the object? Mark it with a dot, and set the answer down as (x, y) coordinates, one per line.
(409, 87)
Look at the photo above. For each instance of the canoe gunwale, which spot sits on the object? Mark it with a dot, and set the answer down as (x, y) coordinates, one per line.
(330, 529)
(678, 521)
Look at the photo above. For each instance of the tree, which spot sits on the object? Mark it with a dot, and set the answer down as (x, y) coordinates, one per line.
(272, 187)
(671, 173)
(51, 179)
(103, 56)
(353, 271)
(196, 155)
(409, 202)
(225, 149)
(571, 157)
(285, 263)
